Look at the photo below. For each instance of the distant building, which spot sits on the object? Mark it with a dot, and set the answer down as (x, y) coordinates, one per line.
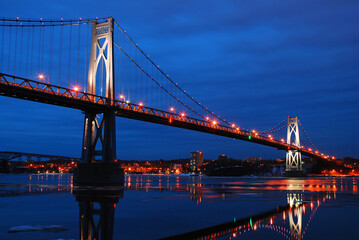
(253, 159)
(177, 168)
(195, 161)
(222, 157)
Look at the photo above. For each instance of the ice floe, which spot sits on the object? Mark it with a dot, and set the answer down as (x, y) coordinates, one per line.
(33, 228)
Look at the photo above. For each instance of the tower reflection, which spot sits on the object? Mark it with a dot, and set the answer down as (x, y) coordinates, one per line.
(97, 211)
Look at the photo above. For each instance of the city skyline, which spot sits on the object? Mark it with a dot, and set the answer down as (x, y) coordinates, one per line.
(203, 47)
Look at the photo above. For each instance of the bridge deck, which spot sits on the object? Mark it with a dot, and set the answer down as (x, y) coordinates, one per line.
(22, 88)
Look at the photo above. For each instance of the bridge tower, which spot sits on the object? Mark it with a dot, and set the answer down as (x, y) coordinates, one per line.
(99, 135)
(105, 131)
(293, 157)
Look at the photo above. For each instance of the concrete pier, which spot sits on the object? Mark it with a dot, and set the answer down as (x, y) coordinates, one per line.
(98, 174)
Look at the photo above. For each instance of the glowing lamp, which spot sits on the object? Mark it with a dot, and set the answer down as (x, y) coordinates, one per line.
(41, 76)
(214, 122)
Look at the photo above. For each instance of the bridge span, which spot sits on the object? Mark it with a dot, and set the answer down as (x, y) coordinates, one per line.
(27, 89)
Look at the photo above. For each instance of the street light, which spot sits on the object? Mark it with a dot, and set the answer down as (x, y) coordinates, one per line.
(41, 77)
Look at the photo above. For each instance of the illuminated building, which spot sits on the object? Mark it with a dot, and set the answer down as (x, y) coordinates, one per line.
(196, 161)
(222, 157)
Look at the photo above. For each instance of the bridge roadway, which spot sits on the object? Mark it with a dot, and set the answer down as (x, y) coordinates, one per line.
(22, 88)
(5, 155)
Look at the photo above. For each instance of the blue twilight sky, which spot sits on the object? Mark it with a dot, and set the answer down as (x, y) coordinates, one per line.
(254, 62)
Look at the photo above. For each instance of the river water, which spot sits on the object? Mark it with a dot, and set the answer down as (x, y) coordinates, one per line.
(179, 207)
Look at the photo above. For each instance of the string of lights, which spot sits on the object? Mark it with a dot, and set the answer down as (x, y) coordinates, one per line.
(154, 80)
(8, 22)
(271, 129)
(306, 135)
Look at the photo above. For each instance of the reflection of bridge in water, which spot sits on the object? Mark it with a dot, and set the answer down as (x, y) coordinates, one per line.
(290, 221)
(97, 207)
(287, 221)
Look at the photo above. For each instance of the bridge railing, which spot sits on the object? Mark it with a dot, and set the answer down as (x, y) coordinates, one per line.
(50, 89)
(47, 88)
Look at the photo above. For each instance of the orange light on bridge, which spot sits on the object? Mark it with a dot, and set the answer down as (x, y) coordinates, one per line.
(254, 131)
(182, 115)
(41, 76)
(207, 118)
(333, 158)
(237, 128)
(76, 88)
(214, 122)
(282, 140)
(122, 97)
(141, 104)
(310, 149)
(172, 109)
(233, 125)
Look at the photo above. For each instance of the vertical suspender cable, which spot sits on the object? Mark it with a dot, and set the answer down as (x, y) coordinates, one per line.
(9, 53)
(32, 49)
(69, 62)
(42, 49)
(51, 53)
(2, 48)
(15, 50)
(60, 53)
(86, 57)
(38, 58)
(21, 37)
(27, 52)
(78, 55)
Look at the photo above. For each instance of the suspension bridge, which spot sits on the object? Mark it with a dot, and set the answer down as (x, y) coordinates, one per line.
(72, 63)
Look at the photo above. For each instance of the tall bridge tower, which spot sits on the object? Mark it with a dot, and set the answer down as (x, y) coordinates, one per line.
(99, 136)
(105, 131)
(293, 157)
